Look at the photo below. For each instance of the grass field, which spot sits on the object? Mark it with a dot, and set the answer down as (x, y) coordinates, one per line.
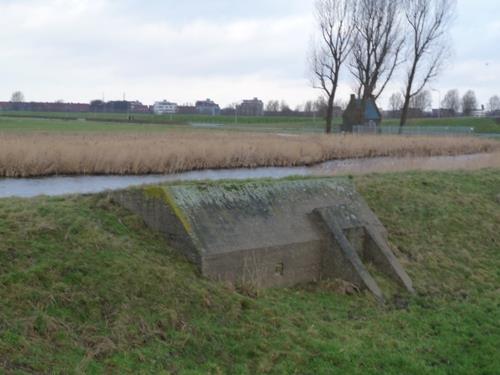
(86, 288)
(39, 125)
(35, 154)
(480, 125)
(175, 118)
(113, 122)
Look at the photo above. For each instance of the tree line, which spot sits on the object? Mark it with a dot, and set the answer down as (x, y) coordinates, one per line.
(452, 102)
(373, 39)
(317, 107)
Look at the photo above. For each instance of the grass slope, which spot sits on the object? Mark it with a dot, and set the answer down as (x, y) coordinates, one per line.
(86, 288)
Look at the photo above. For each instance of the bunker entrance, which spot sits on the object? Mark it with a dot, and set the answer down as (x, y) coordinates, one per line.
(351, 244)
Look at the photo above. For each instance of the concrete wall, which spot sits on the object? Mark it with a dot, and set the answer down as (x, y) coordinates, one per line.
(280, 266)
(159, 216)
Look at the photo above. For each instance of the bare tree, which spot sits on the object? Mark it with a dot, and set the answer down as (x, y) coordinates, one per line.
(494, 103)
(273, 106)
(451, 101)
(320, 106)
(17, 97)
(336, 28)
(428, 24)
(396, 101)
(377, 45)
(469, 103)
(309, 106)
(284, 107)
(422, 101)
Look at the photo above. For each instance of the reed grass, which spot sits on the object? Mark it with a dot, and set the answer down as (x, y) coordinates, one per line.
(29, 155)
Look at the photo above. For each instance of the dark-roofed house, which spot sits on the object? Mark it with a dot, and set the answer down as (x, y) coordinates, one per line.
(361, 112)
(252, 107)
(207, 107)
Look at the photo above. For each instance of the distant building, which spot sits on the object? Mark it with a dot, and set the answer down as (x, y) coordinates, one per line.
(44, 107)
(391, 114)
(415, 113)
(118, 106)
(478, 113)
(443, 112)
(252, 107)
(164, 107)
(186, 110)
(361, 112)
(207, 107)
(138, 107)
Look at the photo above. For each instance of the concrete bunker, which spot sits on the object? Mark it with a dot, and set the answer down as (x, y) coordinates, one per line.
(271, 233)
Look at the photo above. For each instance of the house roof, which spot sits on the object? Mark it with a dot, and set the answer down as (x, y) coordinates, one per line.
(368, 106)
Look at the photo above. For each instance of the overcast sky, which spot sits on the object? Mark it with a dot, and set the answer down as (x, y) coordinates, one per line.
(227, 50)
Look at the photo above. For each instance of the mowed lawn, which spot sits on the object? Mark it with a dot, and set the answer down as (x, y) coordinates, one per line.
(110, 122)
(86, 288)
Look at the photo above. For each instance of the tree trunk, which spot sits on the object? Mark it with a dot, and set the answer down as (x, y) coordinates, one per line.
(329, 114)
(406, 107)
(404, 113)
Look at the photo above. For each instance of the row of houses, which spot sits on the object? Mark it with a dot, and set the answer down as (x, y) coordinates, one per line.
(202, 107)
(44, 107)
(251, 107)
(118, 106)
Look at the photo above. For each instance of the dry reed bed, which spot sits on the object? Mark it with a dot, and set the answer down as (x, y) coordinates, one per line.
(48, 154)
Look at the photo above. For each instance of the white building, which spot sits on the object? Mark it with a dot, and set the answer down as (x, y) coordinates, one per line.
(164, 107)
(478, 113)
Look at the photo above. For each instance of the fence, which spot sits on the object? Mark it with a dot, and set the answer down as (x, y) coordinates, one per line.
(414, 130)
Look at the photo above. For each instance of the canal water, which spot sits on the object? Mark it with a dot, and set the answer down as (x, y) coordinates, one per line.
(63, 185)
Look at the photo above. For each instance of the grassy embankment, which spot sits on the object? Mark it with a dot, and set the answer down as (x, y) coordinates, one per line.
(113, 122)
(55, 121)
(480, 125)
(85, 287)
(25, 155)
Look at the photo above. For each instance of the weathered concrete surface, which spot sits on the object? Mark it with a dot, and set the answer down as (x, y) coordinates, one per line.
(351, 243)
(269, 233)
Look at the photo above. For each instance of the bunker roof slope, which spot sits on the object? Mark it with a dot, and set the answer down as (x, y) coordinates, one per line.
(235, 216)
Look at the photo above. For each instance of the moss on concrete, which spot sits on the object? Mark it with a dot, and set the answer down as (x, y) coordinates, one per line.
(163, 193)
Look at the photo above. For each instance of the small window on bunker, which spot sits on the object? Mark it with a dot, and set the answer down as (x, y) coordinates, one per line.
(280, 269)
